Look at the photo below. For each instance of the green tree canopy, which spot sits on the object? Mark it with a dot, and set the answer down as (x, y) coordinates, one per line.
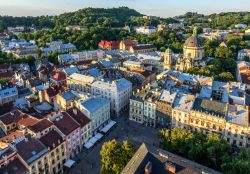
(115, 156)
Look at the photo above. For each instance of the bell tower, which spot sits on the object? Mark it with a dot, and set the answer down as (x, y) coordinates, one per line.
(168, 59)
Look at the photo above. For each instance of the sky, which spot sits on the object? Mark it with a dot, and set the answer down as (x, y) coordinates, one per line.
(163, 8)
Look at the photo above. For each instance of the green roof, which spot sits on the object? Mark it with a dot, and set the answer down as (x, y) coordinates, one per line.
(210, 106)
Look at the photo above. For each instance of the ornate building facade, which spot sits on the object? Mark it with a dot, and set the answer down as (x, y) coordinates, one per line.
(193, 53)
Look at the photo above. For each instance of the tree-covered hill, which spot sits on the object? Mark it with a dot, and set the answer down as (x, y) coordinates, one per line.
(217, 21)
(115, 17)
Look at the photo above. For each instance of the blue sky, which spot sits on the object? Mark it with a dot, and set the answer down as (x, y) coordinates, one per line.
(164, 8)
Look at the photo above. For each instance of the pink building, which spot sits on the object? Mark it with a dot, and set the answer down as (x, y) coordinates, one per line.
(72, 132)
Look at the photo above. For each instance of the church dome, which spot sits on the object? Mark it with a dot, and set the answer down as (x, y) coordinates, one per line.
(193, 41)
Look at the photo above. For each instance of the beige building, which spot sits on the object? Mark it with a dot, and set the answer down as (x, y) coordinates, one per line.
(80, 82)
(57, 151)
(168, 59)
(34, 155)
(193, 53)
(210, 116)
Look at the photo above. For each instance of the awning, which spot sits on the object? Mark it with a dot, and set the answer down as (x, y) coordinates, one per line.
(88, 145)
(69, 163)
(108, 126)
(98, 136)
(93, 140)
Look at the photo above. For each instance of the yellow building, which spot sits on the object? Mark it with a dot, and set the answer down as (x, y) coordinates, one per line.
(57, 151)
(209, 116)
(193, 53)
(168, 59)
(193, 47)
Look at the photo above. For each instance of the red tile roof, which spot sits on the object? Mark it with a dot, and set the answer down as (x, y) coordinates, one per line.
(28, 121)
(130, 42)
(14, 167)
(41, 125)
(12, 136)
(52, 139)
(80, 117)
(245, 78)
(105, 43)
(59, 76)
(54, 90)
(12, 117)
(66, 124)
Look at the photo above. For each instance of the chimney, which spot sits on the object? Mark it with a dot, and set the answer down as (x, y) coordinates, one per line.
(148, 168)
(170, 167)
(75, 111)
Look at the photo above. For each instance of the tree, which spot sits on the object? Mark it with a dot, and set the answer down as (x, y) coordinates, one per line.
(225, 77)
(241, 164)
(223, 52)
(115, 156)
(210, 150)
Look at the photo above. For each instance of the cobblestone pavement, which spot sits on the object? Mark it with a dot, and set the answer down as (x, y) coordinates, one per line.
(88, 161)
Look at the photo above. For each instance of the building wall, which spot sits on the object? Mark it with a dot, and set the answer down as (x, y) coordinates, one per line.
(57, 159)
(119, 100)
(73, 143)
(150, 114)
(195, 53)
(99, 118)
(196, 121)
(136, 111)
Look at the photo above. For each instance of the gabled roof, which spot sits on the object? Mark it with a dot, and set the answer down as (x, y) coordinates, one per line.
(144, 46)
(41, 125)
(211, 107)
(159, 159)
(79, 116)
(52, 139)
(65, 123)
(31, 149)
(59, 76)
(14, 167)
(12, 117)
(129, 42)
(27, 121)
(12, 136)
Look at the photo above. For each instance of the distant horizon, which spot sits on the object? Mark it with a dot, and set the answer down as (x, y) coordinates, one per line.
(59, 13)
(160, 8)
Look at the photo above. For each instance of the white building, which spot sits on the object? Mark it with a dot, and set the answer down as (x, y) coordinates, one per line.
(118, 92)
(97, 109)
(147, 30)
(81, 56)
(80, 82)
(247, 32)
(242, 54)
(241, 26)
(8, 93)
